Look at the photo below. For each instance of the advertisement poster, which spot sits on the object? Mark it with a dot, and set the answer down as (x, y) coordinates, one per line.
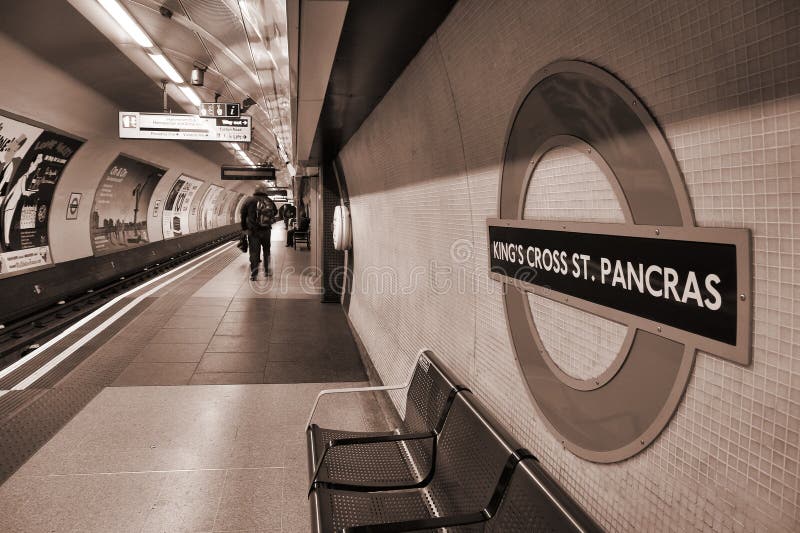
(119, 212)
(31, 163)
(238, 209)
(233, 209)
(206, 217)
(223, 207)
(175, 217)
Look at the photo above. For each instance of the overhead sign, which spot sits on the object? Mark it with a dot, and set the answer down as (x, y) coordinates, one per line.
(246, 172)
(218, 109)
(278, 193)
(184, 127)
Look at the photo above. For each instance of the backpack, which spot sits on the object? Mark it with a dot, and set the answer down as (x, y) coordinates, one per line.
(265, 212)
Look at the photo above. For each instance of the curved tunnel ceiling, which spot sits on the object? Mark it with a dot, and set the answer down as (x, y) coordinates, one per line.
(378, 40)
(240, 43)
(244, 46)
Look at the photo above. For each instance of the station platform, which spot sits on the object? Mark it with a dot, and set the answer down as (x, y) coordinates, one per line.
(186, 412)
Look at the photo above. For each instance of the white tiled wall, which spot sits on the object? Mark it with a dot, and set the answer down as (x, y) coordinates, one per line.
(722, 79)
(567, 185)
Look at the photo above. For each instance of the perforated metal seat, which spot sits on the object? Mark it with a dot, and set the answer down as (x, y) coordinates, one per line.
(372, 460)
(468, 459)
(478, 485)
(534, 502)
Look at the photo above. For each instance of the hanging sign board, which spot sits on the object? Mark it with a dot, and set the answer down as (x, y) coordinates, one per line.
(278, 194)
(184, 127)
(246, 172)
(218, 109)
(687, 280)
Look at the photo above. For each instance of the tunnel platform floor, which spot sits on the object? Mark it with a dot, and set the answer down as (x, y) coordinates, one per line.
(186, 414)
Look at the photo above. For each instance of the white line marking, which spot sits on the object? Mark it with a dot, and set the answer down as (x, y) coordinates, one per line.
(23, 384)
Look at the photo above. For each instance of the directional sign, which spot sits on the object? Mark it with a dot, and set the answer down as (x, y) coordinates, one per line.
(246, 172)
(184, 127)
(218, 109)
(73, 204)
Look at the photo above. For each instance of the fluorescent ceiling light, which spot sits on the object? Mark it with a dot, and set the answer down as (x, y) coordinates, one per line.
(247, 158)
(190, 94)
(124, 19)
(272, 58)
(167, 68)
(291, 169)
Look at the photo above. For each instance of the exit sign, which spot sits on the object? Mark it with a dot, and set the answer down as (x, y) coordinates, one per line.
(218, 109)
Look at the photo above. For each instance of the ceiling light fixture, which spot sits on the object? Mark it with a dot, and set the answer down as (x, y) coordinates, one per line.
(190, 94)
(247, 158)
(166, 67)
(247, 104)
(291, 169)
(125, 20)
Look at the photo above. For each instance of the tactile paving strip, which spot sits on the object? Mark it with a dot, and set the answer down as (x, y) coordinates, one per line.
(26, 369)
(31, 417)
(13, 400)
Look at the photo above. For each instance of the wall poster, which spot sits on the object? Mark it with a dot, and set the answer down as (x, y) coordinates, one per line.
(119, 212)
(206, 217)
(236, 206)
(175, 217)
(222, 211)
(32, 160)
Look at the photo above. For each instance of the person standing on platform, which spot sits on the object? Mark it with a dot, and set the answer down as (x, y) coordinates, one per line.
(287, 214)
(257, 214)
(301, 225)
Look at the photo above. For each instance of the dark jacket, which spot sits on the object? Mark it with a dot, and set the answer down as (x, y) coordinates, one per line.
(248, 213)
(303, 224)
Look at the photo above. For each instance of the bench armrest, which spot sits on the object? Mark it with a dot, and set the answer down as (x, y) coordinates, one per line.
(423, 524)
(364, 389)
(373, 439)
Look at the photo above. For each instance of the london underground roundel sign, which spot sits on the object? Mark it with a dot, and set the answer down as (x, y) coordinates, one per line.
(678, 288)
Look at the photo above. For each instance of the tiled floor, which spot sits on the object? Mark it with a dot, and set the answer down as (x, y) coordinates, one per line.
(232, 330)
(170, 459)
(229, 454)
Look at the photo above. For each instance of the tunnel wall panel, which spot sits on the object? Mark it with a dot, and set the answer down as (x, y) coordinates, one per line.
(32, 164)
(722, 80)
(46, 287)
(43, 93)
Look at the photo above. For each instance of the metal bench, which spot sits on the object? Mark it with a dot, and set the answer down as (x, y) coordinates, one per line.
(302, 236)
(477, 479)
(337, 457)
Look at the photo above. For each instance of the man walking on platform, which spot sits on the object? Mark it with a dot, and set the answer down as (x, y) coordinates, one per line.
(258, 213)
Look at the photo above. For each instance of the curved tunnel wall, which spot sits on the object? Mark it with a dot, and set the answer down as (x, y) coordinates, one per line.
(721, 78)
(39, 92)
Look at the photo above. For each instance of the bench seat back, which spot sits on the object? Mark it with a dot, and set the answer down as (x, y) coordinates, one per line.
(427, 397)
(469, 459)
(533, 502)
